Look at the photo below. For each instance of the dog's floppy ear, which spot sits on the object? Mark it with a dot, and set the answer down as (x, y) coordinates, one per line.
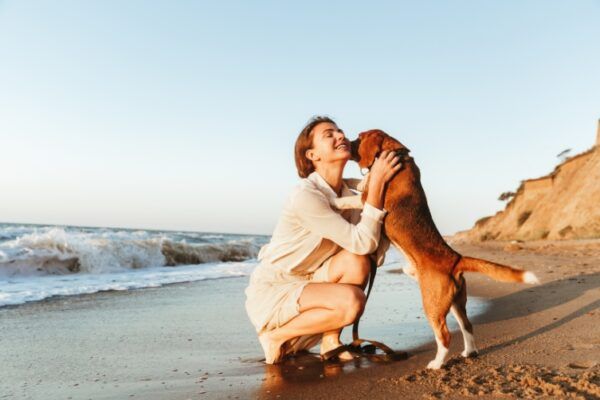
(370, 147)
(391, 144)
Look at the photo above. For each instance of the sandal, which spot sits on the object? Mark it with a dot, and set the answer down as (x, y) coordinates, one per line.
(371, 349)
(334, 353)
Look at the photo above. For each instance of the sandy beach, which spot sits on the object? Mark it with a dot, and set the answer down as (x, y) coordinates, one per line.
(534, 342)
(193, 340)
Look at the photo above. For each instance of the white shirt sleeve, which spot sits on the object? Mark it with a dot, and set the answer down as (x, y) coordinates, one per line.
(315, 214)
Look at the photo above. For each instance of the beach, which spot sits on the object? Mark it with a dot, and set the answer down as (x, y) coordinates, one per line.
(193, 340)
(534, 342)
(178, 341)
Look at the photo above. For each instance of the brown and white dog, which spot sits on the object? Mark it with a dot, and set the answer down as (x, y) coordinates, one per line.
(433, 263)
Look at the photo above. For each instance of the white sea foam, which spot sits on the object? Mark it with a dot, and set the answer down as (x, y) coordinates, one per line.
(22, 289)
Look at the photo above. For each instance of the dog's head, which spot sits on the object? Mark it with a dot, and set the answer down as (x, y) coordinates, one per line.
(370, 144)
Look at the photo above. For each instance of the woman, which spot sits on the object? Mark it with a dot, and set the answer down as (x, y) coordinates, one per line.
(309, 283)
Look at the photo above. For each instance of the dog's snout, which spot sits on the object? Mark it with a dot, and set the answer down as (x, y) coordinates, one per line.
(354, 150)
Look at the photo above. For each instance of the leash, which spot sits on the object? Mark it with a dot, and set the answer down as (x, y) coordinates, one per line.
(371, 345)
(372, 274)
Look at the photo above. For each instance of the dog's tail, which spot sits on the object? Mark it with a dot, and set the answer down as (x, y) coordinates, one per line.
(496, 271)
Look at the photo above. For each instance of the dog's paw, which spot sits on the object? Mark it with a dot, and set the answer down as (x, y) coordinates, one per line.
(435, 364)
(530, 278)
(469, 353)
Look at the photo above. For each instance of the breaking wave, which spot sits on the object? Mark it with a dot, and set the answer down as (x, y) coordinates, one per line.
(57, 251)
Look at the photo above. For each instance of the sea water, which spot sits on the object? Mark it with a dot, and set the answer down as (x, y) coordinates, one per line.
(38, 261)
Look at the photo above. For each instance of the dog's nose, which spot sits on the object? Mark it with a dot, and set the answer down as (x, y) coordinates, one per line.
(354, 150)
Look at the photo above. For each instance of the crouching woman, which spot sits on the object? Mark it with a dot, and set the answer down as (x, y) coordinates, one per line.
(310, 281)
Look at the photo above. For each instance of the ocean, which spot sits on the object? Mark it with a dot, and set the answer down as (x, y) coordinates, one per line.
(41, 261)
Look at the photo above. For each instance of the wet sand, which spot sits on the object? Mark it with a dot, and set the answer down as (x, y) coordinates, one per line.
(534, 342)
(194, 340)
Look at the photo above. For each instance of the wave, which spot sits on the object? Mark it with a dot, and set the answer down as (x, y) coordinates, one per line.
(184, 254)
(56, 251)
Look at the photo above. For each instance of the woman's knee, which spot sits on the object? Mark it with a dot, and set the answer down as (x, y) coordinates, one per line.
(353, 304)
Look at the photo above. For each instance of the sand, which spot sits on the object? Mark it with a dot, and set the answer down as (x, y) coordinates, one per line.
(194, 340)
(534, 342)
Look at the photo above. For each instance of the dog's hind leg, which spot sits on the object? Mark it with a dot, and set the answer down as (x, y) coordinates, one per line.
(442, 338)
(459, 310)
(437, 299)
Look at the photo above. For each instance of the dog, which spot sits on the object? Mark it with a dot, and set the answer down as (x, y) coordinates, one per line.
(432, 262)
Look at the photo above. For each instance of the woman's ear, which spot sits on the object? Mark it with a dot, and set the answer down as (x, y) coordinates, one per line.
(310, 154)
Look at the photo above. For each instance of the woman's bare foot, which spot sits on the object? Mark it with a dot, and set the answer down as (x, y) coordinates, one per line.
(329, 343)
(271, 347)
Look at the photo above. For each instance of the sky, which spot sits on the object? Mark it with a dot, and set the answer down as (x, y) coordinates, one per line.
(182, 115)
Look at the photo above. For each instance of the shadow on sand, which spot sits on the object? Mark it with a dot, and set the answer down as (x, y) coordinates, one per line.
(538, 299)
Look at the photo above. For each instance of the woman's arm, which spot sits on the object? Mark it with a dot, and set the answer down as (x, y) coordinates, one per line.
(315, 213)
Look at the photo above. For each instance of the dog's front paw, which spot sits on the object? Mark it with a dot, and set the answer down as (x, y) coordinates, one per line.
(435, 364)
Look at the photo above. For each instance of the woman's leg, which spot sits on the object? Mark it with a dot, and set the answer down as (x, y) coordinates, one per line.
(350, 268)
(323, 307)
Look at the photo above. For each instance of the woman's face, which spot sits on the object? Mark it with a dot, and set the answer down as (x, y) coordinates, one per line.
(329, 144)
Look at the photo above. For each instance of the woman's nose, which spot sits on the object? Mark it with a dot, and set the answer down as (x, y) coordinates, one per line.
(339, 135)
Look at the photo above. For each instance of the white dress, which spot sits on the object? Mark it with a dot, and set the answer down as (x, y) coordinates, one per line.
(307, 234)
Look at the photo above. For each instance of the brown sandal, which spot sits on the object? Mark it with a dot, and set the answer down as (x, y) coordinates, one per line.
(333, 354)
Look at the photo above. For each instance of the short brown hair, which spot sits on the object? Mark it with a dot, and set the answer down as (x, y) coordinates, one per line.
(304, 142)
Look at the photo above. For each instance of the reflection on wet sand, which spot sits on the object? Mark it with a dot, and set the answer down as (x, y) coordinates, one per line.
(307, 367)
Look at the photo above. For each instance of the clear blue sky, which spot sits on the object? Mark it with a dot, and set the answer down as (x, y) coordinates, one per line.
(183, 115)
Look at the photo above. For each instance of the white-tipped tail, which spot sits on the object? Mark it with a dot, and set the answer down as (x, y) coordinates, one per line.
(529, 277)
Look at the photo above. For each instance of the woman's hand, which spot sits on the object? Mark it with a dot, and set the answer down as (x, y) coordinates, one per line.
(384, 167)
(382, 170)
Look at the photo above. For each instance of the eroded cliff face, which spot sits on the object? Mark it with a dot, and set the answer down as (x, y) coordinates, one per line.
(562, 205)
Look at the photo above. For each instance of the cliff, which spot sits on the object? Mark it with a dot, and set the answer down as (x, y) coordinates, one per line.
(564, 204)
